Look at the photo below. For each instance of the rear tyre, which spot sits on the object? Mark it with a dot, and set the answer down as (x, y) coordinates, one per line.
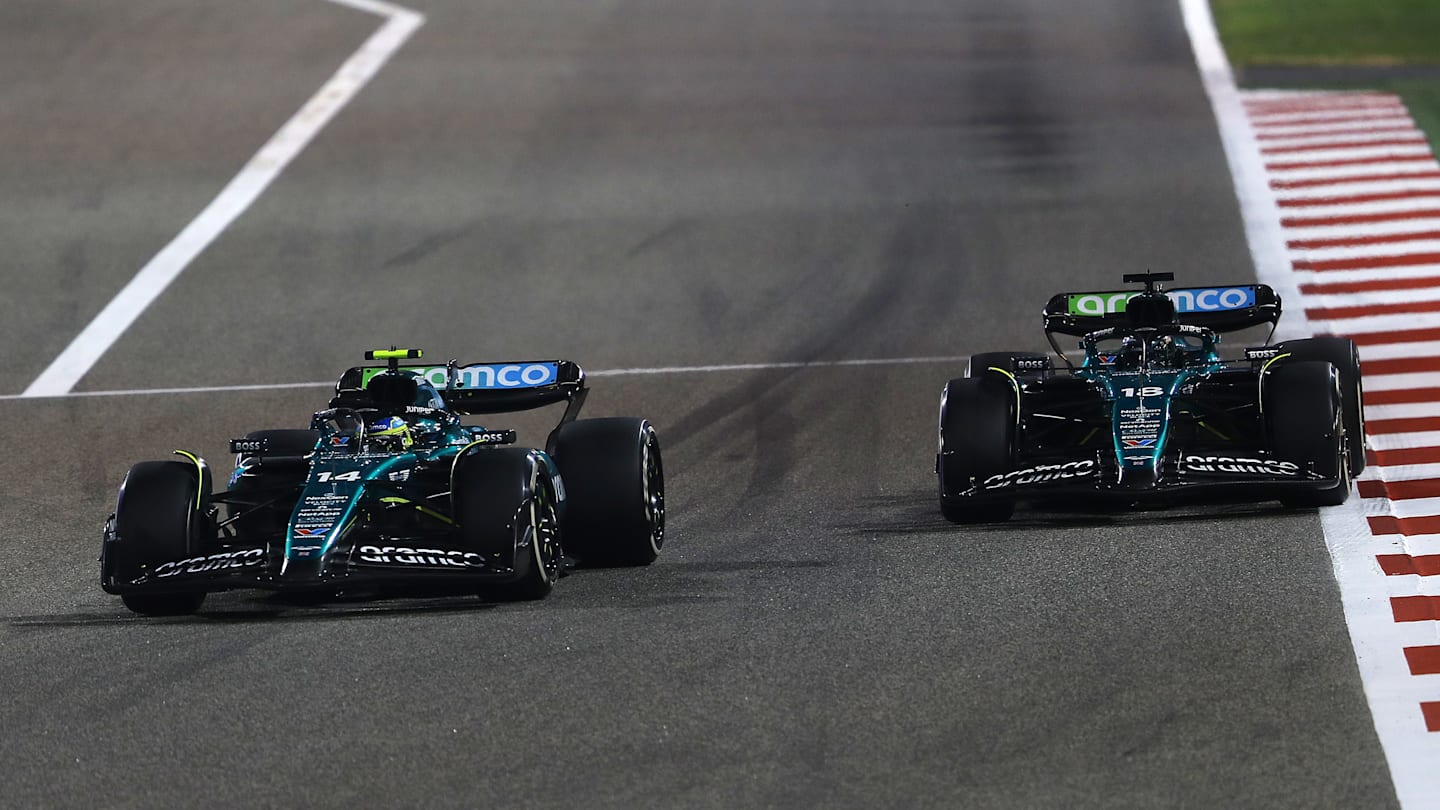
(506, 512)
(1345, 357)
(163, 515)
(614, 488)
(977, 436)
(1303, 420)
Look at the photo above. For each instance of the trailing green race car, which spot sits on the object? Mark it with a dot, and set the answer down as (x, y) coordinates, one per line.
(389, 488)
(1152, 414)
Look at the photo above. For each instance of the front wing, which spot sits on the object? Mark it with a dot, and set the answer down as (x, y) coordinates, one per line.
(1211, 476)
(392, 562)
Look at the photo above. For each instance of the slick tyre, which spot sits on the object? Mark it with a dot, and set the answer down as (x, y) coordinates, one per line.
(162, 516)
(505, 509)
(977, 436)
(1345, 357)
(614, 488)
(979, 363)
(1303, 424)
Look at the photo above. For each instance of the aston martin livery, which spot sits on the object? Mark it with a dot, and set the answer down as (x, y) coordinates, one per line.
(389, 487)
(1150, 413)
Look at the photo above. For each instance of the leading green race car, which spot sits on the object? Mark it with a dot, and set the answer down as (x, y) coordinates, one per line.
(388, 487)
(1152, 414)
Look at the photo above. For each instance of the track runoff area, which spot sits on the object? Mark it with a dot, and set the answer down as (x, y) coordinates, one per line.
(1341, 196)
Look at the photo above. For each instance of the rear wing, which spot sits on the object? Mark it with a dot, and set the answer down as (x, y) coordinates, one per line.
(480, 388)
(1221, 309)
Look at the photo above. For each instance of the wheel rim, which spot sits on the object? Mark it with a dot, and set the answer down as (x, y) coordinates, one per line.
(546, 538)
(654, 490)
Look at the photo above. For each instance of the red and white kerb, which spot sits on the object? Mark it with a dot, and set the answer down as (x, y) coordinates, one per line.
(1358, 190)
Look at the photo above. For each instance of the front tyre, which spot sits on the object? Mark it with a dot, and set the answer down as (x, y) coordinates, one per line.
(614, 488)
(1304, 425)
(162, 516)
(977, 435)
(505, 509)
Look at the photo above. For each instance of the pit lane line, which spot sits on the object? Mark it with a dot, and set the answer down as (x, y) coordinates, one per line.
(612, 372)
(243, 189)
(1381, 549)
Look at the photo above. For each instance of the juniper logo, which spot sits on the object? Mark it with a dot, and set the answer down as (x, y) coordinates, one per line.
(1194, 299)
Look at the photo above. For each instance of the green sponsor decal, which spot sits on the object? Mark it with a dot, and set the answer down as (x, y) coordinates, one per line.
(1094, 304)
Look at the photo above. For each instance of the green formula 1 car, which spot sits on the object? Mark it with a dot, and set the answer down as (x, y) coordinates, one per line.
(1151, 414)
(388, 487)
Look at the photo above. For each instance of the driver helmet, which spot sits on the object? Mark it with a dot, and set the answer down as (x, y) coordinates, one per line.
(1132, 350)
(390, 433)
(1170, 351)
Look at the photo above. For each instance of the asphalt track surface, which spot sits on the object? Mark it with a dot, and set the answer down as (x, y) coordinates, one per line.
(647, 184)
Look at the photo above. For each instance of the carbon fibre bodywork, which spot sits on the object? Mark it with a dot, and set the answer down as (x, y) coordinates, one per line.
(426, 501)
(1159, 418)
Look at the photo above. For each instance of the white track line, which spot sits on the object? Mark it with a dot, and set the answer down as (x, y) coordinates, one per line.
(1323, 118)
(1375, 274)
(1414, 507)
(1407, 147)
(1369, 250)
(1394, 695)
(1404, 472)
(1399, 122)
(1369, 229)
(1429, 202)
(1367, 298)
(1390, 351)
(887, 361)
(1333, 173)
(1343, 190)
(1408, 410)
(262, 169)
(1402, 441)
(1375, 323)
(610, 372)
